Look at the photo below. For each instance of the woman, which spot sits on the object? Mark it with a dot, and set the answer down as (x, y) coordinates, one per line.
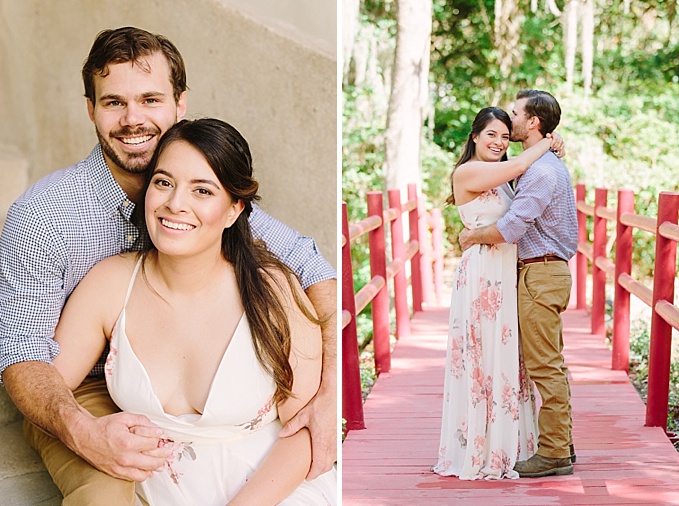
(210, 336)
(488, 403)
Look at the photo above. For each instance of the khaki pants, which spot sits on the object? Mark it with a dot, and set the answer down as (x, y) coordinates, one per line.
(543, 293)
(79, 482)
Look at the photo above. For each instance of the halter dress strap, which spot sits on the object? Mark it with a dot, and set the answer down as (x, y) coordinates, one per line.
(134, 276)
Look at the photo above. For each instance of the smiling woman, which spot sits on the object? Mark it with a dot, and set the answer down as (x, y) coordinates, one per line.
(212, 311)
(184, 196)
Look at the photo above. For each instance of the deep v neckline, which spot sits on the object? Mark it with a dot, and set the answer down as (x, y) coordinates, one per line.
(122, 332)
(120, 326)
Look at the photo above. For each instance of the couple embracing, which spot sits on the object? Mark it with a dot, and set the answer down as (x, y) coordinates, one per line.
(511, 286)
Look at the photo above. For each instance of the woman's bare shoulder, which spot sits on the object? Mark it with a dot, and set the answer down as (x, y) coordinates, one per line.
(112, 271)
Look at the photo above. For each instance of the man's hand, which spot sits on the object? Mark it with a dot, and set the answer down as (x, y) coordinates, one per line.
(122, 445)
(320, 416)
(466, 239)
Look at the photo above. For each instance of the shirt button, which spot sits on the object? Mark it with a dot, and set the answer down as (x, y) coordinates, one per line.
(126, 203)
(130, 238)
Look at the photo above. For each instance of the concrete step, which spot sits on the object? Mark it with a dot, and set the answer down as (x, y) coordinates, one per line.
(23, 478)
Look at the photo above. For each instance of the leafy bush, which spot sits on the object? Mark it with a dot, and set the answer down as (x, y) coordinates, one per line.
(639, 348)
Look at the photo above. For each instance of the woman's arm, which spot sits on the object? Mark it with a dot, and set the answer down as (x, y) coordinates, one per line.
(288, 461)
(477, 176)
(86, 321)
(122, 445)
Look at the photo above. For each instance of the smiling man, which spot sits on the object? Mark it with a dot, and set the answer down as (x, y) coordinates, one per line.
(135, 84)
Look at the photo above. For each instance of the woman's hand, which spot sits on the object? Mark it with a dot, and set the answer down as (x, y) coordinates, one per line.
(557, 146)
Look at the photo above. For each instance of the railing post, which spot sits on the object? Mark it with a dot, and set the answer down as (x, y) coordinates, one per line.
(599, 275)
(661, 332)
(425, 250)
(400, 281)
(621, 300)
(415, 262)
(352, 399)
(581, 259)
(437, 248)
(380, 304)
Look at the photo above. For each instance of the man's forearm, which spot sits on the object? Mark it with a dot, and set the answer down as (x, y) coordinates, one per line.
(39, 392)
(487, 235)
(323, 296)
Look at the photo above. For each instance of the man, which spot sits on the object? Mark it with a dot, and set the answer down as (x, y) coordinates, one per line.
(542, 220)
(135, 84)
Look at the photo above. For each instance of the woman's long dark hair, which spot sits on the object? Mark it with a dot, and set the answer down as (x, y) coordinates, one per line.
(484, 116)
(228, 154)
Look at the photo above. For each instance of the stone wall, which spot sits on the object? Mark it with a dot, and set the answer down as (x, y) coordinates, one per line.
(271, 72)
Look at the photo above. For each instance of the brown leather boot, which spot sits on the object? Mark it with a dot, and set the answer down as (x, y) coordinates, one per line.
(538, 465)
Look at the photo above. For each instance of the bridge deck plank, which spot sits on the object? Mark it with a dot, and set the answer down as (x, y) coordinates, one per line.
(619, 460)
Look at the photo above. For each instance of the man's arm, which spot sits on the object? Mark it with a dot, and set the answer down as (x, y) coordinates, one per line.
(318, 279)
(298, 252)
(31, 298)
(320, 414)
(533, 194)
(485, 235)
(122, 445)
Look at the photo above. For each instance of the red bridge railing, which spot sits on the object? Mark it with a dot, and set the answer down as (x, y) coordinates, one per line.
(423, 252)
(660, 298)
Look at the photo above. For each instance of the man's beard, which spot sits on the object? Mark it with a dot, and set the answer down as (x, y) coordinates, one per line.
(519, 134)
(135, 163)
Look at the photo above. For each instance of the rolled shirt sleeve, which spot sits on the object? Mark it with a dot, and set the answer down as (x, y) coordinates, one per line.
(32, 291)
(298, 252)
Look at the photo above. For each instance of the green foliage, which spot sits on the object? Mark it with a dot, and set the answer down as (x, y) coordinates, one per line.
(640, 340)
(622, 135)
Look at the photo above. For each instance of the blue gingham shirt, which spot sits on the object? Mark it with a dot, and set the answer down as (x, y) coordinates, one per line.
(70, 220)
(542, 218)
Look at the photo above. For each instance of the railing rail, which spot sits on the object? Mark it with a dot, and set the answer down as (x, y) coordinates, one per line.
(660, 298)
(423, 253)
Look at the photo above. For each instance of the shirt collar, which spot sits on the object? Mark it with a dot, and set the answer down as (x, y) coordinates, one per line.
(109, 192)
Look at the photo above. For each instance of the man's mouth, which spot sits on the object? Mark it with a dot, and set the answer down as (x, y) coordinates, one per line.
(135, 141)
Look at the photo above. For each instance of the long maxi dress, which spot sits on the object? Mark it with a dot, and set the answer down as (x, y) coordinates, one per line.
(214, 453)
(488, 418)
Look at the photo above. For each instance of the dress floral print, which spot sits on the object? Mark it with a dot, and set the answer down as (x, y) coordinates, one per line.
(488, 420)
(213, 452)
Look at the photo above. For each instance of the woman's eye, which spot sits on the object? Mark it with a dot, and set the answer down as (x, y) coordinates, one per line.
(203, 191)
(161, 182)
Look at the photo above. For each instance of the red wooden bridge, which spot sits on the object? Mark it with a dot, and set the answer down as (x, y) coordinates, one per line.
(624, 455)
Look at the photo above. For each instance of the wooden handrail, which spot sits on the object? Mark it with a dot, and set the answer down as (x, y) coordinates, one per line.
(641, 222)
(364, 226)
(665, 315)
(425, 258)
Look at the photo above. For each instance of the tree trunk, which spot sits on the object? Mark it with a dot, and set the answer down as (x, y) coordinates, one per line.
(587, 44)
(350, 10)
(409, 94)
(506, 32)
(570, 33)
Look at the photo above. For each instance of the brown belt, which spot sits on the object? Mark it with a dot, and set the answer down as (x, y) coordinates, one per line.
(547, 258)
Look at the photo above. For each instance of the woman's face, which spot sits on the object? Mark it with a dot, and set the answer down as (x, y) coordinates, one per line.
(492, 142)
(186, 206)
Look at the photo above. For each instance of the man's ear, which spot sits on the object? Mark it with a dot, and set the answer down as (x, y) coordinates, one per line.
(90, 109)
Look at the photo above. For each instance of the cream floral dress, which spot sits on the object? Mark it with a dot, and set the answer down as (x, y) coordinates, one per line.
(488, 403)
(214, 453)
